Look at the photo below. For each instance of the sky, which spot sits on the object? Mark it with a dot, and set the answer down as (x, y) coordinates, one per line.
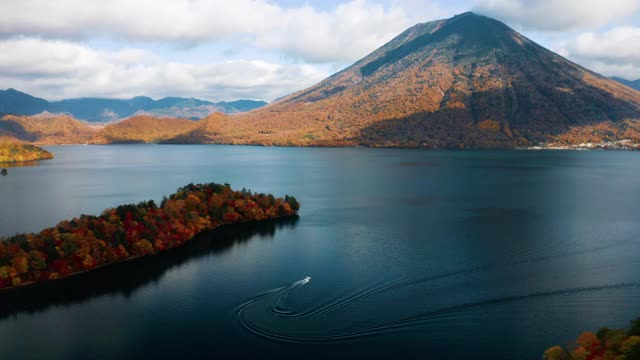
(263, 49)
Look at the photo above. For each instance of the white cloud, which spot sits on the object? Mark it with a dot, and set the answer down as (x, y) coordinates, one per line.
(346, 33)
(56, 69)
(618, 45)
(612, 53)
(559, 15)
(625, 71)
(351, 31)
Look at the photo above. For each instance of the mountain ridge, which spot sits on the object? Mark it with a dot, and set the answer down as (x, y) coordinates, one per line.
(142, 129)
(105, 110)
(45, 129)
(634, 84)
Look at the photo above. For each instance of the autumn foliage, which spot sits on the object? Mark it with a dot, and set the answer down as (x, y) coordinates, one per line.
(606, 344)
(131, 231)
(11, 152)
(47, 129)
(143, 129)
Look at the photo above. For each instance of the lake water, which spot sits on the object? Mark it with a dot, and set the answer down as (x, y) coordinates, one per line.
(430, 254)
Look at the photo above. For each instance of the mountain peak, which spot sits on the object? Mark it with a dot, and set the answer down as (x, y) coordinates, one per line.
(466, 14)
(467, 81)
(468, 33)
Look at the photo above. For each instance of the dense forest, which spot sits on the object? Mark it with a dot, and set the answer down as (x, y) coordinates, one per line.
(131, 231)
(143, 129)
(12, 152)
(606, 344)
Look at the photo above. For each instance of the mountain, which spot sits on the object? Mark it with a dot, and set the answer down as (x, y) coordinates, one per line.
(16, 102)
(45, 129)
(106, 110)
(195, 109)
(239, 106)
(635, 84)
(101, 110)
(142, 129)
(468, 81)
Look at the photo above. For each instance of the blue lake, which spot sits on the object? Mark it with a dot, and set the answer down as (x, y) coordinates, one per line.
(411, 253)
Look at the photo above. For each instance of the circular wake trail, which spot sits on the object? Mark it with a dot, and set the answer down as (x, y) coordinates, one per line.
(274, 301)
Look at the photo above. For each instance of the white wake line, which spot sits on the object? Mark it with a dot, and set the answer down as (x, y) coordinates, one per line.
(303, 281)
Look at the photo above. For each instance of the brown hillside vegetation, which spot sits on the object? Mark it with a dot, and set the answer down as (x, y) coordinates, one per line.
(47, 129)
(468, 81)
(143, 129)
(15, 152)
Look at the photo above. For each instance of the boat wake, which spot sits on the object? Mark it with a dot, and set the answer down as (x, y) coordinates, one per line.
(268, 315)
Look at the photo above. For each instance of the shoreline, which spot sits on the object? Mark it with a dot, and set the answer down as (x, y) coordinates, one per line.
(35, 283)
(129, 232)
(580, 147)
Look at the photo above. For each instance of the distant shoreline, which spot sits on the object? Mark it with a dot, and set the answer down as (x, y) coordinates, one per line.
(581, 147)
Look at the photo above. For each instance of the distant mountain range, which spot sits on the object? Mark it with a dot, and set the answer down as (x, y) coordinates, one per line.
(635, 84)
(106, 110)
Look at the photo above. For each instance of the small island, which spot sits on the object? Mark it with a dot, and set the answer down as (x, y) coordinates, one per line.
(16, 152)
(606, 344)
(129, 232)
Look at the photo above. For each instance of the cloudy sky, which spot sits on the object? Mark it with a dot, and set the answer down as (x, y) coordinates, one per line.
(263, 49)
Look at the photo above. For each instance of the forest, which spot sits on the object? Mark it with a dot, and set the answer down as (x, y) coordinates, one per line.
(606, 344)
(142, 129)
(12, 152)
(131, 231)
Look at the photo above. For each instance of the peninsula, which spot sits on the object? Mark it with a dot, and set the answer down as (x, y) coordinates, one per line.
(15, 152)
(128, 232)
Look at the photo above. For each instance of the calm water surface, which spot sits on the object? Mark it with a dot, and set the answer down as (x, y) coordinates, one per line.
(426, 254)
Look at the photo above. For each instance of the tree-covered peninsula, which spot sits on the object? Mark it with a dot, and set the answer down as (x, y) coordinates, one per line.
(13, 152)
(131, 231)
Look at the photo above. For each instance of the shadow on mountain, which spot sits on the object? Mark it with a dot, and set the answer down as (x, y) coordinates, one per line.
(127, 277)
(15, 129)
(508, 119)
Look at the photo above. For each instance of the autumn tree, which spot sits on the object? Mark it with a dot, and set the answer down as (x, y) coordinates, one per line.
(556, 353)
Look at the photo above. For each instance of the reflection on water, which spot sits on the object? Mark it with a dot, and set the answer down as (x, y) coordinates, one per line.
(21, 163)
(125, 278)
